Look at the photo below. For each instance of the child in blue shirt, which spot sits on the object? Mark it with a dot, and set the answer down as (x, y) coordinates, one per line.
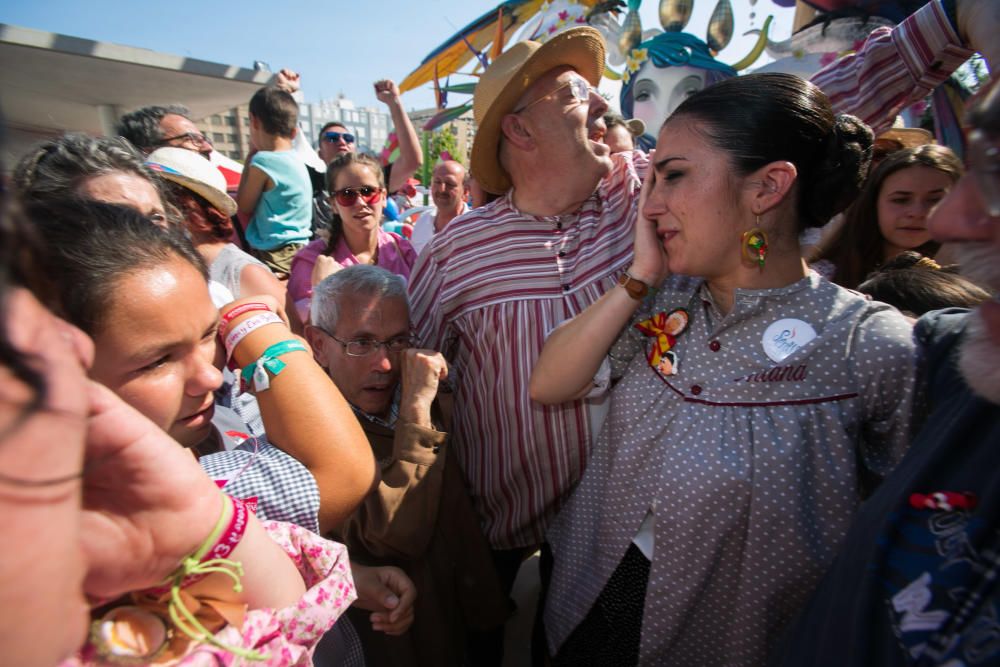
(275, 190)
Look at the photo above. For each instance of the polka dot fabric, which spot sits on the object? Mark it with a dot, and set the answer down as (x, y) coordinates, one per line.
(750, 467)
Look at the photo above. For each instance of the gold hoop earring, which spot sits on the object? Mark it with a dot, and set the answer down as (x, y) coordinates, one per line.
(754, 245)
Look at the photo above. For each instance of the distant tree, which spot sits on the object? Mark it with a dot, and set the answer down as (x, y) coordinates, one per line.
(441, 140)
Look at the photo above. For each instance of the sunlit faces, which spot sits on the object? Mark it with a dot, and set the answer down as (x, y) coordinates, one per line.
(657, 92)
(447, 188)
(156, 348)
(119, 187)
(362, 216)
(562, 127)
(904, 202)
(181, 132)
(694, 205)
(367, 382)
(43, 612)
(328, 150)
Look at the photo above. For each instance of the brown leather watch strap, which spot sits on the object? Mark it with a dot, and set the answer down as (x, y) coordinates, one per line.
(635, 288)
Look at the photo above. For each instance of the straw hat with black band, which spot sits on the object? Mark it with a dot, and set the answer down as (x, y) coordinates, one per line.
(194, 172)
(506, 80)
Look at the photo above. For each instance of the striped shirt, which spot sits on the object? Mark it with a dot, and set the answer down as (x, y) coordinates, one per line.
(894, 68)
(486, 292)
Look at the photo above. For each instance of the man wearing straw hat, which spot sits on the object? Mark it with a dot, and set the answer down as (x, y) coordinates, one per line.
(489, 288)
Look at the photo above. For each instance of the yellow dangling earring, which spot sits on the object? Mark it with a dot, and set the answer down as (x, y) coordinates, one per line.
(754, 245)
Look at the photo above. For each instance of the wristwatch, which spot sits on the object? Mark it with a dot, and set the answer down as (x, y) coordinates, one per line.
(635, 288)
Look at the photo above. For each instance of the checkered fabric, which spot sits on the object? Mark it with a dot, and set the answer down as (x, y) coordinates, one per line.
(284, 488)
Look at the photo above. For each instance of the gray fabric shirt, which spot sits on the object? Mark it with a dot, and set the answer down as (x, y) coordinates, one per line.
(748, 466)
(228, 266)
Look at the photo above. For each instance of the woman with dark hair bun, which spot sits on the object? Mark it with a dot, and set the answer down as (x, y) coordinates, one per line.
(755, 401)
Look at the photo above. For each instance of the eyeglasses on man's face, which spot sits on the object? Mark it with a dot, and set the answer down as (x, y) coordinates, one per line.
(363, 347)
(334, 137)
(349, 196)
(578, 86)
(196, 138)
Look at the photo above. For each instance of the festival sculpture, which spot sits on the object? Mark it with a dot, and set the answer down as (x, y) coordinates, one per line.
(660, 68)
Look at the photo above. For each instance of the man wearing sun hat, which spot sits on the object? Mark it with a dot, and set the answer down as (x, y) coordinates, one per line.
(489, 288)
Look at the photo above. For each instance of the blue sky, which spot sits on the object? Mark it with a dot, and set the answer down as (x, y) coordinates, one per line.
(337, 46)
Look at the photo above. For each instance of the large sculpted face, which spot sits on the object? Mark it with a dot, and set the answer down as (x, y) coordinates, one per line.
(657, 92)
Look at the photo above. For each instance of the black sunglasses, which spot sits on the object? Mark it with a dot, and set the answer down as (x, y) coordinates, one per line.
(334, 137)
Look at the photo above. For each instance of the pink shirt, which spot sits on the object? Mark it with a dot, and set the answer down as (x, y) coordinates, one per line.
(394, 254)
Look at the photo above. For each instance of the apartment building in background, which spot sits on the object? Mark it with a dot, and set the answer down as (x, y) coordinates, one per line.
(230, 131)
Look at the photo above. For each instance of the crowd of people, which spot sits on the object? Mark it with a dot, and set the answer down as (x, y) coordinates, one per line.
(260, 428)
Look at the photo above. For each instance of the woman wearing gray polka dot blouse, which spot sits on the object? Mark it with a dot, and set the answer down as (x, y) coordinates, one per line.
(754, 402)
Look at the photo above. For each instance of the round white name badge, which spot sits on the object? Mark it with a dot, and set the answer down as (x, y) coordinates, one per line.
(785, 337)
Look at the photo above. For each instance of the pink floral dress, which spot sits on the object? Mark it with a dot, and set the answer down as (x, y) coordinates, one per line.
(287, 636)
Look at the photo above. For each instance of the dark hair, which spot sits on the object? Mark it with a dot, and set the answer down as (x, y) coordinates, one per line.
(276, 110)
(328, 125)
(141, 128)
(762, 118)
(337, 165)
(90, 246)
(54, 170)
(916, 284)
(858, 247)
(611, 119)
(20, 246)
(187, 199)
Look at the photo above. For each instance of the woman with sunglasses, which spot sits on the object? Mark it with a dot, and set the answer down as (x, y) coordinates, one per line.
(357, 197)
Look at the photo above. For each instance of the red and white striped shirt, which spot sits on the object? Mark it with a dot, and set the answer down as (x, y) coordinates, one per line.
(486, 292)
(894, 68)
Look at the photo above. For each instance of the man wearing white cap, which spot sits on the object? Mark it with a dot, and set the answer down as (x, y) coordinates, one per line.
(489, 287)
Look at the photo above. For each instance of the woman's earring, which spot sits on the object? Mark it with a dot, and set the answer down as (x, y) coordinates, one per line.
(754, 245)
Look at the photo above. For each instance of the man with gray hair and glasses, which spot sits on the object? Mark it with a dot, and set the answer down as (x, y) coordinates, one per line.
(419, 518)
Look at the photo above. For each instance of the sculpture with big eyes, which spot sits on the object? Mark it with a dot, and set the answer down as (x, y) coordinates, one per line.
(672, 66)
(663, 68)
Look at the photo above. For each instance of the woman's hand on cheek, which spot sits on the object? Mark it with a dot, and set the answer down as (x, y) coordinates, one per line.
(146, 501)
(650, 262)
